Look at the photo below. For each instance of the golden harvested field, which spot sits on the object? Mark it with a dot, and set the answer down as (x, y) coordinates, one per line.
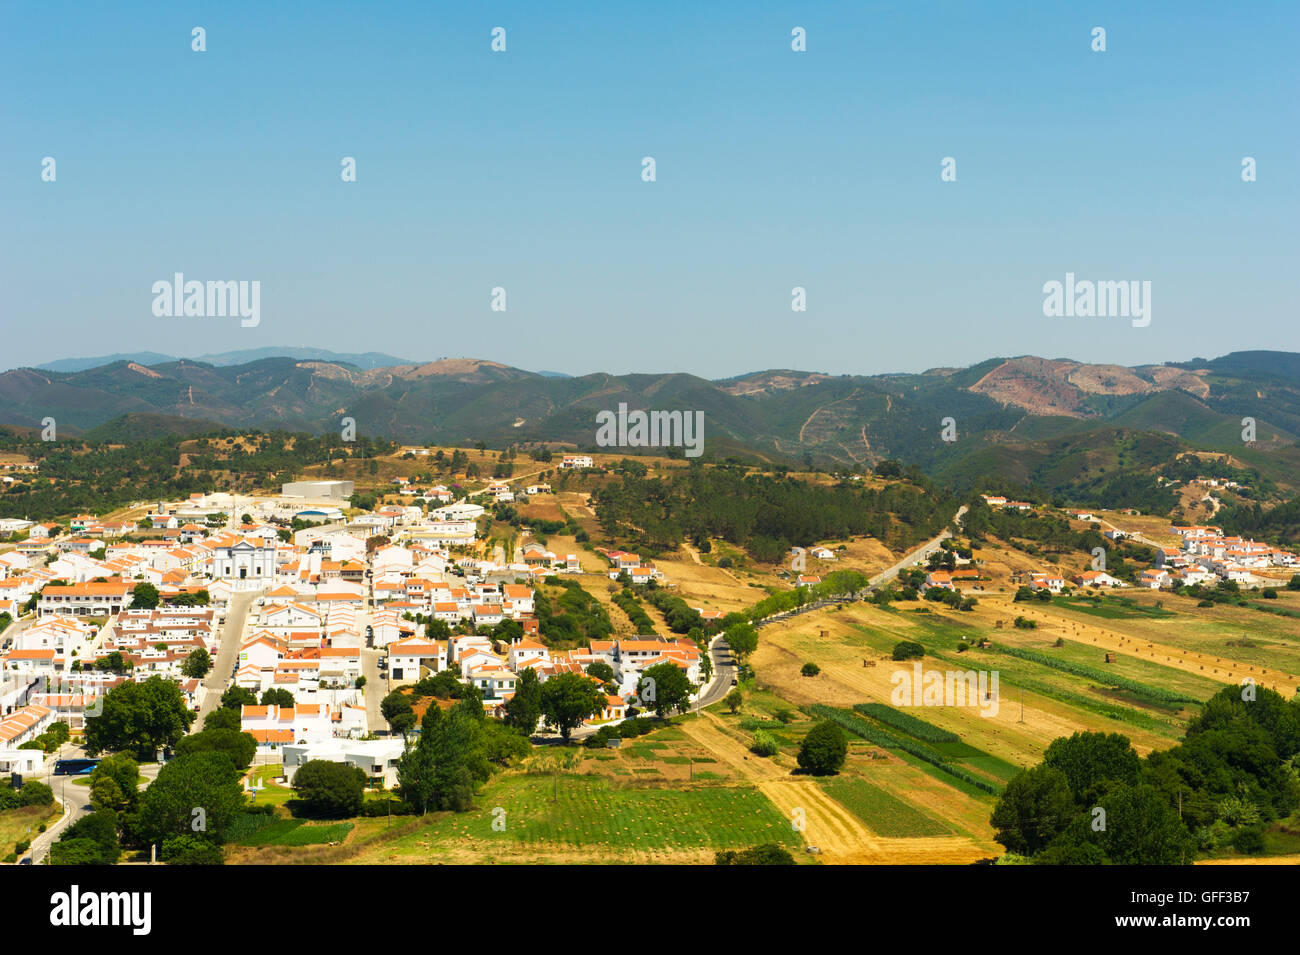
(844, 681)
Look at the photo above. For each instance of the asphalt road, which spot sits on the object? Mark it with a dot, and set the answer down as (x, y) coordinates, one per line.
(724, 671)
(918, 554)
(232, 634)
(75, 799)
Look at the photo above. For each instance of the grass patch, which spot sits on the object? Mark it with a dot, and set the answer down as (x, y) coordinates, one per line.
(292, 832)
(1112, 608)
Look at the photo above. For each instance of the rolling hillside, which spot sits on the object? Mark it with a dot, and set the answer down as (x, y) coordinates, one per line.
(1053, 423)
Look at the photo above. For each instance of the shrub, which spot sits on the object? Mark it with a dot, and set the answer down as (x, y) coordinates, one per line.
(810, 669)
(329, 790)
(384, 807)
(1249, 840)
(764, 744)
(769, 854)
(36, 794)
(908, 650)
(189, 850)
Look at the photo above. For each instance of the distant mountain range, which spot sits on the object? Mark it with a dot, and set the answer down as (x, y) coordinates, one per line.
(1030, 419)
(364, 360)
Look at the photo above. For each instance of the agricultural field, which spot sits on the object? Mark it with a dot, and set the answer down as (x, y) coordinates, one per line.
(581, 818)
(1134, 662)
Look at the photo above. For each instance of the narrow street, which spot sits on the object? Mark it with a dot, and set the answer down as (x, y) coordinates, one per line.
(232, 635)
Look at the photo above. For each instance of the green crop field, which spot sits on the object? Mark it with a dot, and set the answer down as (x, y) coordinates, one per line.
(881, 812)
(590, 811)
(272, 831)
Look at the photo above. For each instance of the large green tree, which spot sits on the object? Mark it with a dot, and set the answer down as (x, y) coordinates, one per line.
(1131, 825)
(196, 795)
(443, 768)
(197, 664)
(329, 790)
(139, 718)
(1035, 808)
(1092, 762)
(397, 710)
(664, 689)
(144, 597)
(568, 699)
(239, 746)
(823, 750)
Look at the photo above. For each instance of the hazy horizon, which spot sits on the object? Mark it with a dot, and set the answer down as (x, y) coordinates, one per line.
(651, 371)
(775, 169)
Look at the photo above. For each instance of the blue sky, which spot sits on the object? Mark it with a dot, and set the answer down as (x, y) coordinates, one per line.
(775, 169)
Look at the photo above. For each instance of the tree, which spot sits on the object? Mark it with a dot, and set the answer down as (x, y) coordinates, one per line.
(115, 783)
(1035, 808)
(329, 790)
(113, 662)
(447, 762)
(601, 670)
(237, 697)
(1091, 762)
(277, 696)
(240, 747)
(197, 664)
(734, 699)
(809, 669)
(397, 710)
(907, 650)
(107, 794)
(144, 596)
(1267, 710)
(91, 840)
(197, 795)
(222, 719)
(140, 718)
(568, 699)
(742, 638)
(665, 689)
(524, 709)
(1138, 827)
(823, 749)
